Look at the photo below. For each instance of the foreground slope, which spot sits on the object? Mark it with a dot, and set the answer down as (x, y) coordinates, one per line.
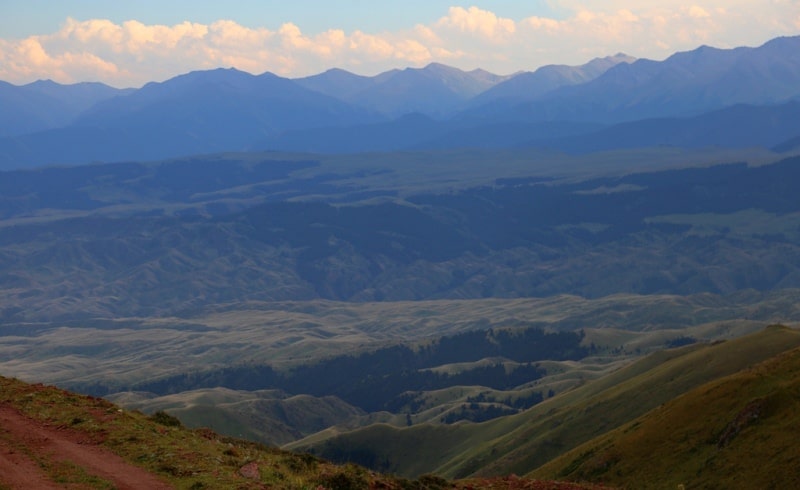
(51, 438)
(520, 443)
(740, 431)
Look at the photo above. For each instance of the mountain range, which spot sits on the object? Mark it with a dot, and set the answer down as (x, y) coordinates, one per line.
(705, 97)
(559, 273)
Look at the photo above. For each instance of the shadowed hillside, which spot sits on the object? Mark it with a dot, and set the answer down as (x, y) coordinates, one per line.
(169, 238)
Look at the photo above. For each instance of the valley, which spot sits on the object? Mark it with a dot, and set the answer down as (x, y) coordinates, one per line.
(430, 273)
(298, 311)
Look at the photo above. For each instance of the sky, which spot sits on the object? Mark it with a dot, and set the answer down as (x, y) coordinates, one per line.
(127, 44)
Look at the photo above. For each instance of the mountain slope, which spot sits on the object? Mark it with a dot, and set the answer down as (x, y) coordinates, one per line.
(45, 104)
(736, 432)
(435, 90)
(739, 126)
(199, 112)
(337, 111)
(788, 145)
(255, 415)
(684, 84)
(531, 85)
(520, 443)
(55, 439)
(215, 99)
(339, 83)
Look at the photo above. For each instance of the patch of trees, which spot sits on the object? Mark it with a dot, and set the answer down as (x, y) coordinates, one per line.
(376, 392)
(518, 215)
(518, 402)
(483, 407)
(681, 341)
(475, 412)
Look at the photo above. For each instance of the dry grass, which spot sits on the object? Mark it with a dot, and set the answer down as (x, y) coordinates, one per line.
(125, 351)
(520, 443)
(196, 459)
(736, 432)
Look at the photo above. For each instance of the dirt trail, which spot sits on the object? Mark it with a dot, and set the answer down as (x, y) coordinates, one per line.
(25, 443)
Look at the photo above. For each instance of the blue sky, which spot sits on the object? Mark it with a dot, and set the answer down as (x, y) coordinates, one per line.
(127, 44)
(37, 16)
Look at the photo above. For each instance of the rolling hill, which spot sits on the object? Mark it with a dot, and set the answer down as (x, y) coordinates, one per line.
(56, 439)
(169, 237)
(738, 431)
(523, 442)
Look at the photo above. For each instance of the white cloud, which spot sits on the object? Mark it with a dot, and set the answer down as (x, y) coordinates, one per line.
(131, 53)
(229, 34)
(478, 22)
(371, 47)
(698, 12)
(413, 51)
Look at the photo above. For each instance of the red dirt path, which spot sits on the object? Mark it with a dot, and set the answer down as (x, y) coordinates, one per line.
(25, 443)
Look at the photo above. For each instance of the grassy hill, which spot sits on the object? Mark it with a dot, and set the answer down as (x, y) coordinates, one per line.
(264, 415)
(736, 432)
(520, 443)
(125, 352)
(171, 455)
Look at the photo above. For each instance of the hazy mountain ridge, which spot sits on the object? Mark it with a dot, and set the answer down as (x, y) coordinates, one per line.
(44, 104)
(738, 126)
(531, 85)
(228, 110)
(435, 90)
(685, 84)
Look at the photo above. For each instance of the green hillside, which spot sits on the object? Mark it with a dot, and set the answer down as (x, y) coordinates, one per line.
(740, 431)
(170, 454)
(520, 443)
(264, 415)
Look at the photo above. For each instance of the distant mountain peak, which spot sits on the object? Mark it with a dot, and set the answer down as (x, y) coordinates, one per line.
(530, 85)
(331, 71)
(43, 83)
(621, 58)
(435, 64)
(227, 108)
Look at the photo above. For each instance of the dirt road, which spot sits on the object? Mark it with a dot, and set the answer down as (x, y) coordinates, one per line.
(35, 456)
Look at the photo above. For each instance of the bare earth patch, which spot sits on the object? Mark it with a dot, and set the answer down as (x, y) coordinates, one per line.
(34, 455)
